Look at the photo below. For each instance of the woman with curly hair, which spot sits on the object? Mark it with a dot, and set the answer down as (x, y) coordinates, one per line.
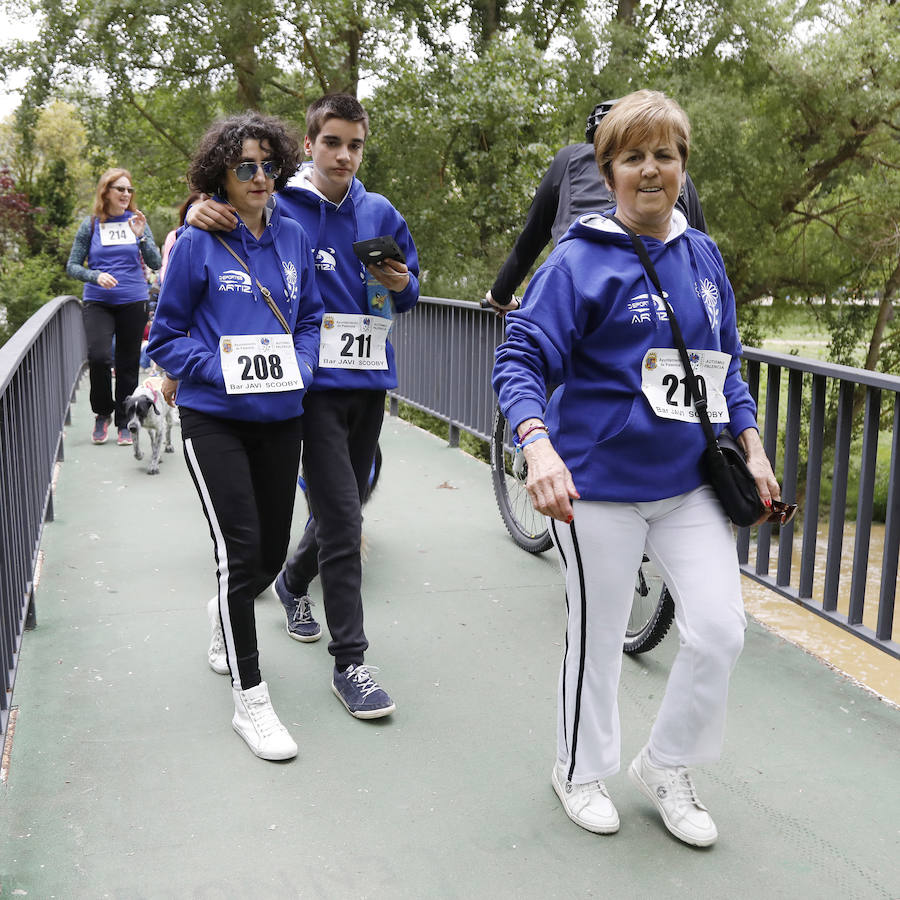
(238, 326)
(108, 255)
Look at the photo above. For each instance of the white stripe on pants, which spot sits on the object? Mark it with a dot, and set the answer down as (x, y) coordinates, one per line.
(691, 541)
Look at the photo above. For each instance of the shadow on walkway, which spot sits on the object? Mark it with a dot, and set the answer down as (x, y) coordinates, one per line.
(126, 781)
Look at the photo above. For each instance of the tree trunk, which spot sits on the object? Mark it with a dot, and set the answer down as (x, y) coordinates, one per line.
(625, 11)
(352, 38)
(885, 314)
(246, 66)
(485, 20)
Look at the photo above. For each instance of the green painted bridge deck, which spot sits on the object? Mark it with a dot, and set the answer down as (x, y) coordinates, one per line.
(123, 778)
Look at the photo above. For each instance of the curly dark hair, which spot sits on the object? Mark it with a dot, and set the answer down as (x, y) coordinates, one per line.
(221, 147)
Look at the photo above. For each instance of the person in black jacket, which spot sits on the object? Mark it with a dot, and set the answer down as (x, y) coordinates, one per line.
(571, 187)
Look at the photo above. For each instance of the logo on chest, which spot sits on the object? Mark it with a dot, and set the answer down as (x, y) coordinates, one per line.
(641, 309)
(290, 277)
(235, 280)
(708, 292)
(325, 261)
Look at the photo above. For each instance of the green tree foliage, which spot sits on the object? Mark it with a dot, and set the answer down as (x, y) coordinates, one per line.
(15, 214)
(30, 271)
(458, 146)
(796, 150)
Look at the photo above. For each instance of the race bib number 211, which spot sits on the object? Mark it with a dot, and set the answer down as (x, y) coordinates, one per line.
(353, 342)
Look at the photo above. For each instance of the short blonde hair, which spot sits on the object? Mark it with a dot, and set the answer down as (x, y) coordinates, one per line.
(106, 179)
(636, 118)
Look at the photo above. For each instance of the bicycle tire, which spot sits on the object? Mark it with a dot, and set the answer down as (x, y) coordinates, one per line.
(652, 611)
(526, 526)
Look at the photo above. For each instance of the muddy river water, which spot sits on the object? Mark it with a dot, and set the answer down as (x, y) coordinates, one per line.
(857, 659)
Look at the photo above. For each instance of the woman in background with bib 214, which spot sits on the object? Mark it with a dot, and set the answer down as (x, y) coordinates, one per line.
(108, 255)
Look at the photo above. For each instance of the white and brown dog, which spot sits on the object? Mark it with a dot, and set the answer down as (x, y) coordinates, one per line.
(147, 409)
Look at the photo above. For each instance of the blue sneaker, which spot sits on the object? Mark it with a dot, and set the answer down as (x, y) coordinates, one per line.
(101, 430)
(301, 625)
(359, 692)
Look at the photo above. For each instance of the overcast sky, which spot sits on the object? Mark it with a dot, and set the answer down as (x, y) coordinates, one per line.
(13, 29)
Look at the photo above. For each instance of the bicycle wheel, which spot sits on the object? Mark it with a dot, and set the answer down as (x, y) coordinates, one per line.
(526, 526)
(652, 611)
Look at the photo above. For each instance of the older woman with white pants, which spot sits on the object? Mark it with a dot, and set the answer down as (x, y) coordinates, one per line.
(614, 459)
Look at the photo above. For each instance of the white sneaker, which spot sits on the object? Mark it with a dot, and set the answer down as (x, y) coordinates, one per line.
(587, 805)
(216, 653)
(673, 793)
(255, 721)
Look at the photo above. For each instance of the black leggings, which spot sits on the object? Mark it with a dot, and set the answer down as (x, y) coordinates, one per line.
(246, 476)
(126, 321)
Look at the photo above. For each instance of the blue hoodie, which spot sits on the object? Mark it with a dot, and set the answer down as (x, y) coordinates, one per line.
(207, 294)
(332, 229)
(588, 318)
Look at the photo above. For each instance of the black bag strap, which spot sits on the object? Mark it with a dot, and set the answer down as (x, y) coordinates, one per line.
(267, 295)
(699, 402)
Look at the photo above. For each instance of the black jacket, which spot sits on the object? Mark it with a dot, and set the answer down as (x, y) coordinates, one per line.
(571, 188)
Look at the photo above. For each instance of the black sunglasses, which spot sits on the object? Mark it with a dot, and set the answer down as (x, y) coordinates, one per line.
(122, 190)
(781, 513)
(246, 170)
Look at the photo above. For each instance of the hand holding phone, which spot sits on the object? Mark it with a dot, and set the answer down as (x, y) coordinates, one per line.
(376, 250)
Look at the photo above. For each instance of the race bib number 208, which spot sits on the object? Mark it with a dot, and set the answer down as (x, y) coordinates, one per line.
(259, 363)
(666, 388)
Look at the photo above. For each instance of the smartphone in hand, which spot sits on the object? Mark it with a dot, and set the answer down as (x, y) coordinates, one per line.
(375, 250)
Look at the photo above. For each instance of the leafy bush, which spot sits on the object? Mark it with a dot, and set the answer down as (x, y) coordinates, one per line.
(26, 285)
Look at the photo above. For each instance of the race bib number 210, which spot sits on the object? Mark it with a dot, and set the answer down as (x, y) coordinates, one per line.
(666, 388)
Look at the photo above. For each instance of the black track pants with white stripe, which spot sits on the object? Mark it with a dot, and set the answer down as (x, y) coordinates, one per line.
(691, 541)
(246, 476)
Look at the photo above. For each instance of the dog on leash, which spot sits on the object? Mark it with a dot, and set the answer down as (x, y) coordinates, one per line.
(147, 409)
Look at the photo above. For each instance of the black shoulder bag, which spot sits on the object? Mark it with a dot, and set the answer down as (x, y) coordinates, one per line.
(723, 459)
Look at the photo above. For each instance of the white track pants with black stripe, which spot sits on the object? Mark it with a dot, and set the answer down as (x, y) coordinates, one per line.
(691, 541)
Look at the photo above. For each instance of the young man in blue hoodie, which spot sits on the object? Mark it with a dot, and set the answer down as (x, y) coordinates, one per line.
(344, 407)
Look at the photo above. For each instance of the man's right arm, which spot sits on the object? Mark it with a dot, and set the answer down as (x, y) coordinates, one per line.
(534, 237)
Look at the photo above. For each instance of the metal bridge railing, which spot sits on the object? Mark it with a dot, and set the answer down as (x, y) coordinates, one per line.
(446, 353)
(39, 367)
(445, 350)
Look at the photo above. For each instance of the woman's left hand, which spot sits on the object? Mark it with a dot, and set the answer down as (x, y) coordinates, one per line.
(394, 275)
(169, 389)
(760, 468)
(138, 223)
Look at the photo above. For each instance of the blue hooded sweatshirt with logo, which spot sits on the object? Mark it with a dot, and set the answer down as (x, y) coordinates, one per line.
(589, 318)
(207, 294)
(332, 229)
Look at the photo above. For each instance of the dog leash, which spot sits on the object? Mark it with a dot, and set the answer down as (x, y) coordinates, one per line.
(267, 295)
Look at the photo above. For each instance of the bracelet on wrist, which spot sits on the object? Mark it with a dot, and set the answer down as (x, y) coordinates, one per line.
(540, 427)
(535, 437)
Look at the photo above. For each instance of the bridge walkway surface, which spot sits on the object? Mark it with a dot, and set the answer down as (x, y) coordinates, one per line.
(123, 778)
